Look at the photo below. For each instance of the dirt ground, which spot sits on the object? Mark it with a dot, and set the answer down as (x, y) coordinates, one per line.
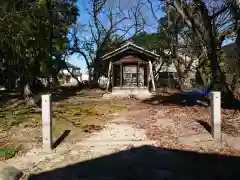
(82, 113)
(132, 133)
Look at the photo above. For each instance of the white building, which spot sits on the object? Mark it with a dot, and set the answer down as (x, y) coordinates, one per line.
(69, 75)
(85, 76)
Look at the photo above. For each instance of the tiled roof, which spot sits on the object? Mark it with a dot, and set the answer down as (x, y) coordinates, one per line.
(130, 45)
(69, 65)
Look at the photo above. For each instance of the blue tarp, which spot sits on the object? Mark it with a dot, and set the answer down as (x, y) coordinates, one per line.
(198, 92)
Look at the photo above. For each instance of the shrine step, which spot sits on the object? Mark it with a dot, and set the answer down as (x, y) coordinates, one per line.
(131, 93)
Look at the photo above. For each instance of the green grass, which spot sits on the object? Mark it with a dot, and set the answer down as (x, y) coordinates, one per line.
(70, 112)
(14, 117)
(7, 153)
(117, 108)
(75, 116)
(87, 110)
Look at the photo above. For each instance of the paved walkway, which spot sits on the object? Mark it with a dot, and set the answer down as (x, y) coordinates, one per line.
(113, 138)
(109, 154)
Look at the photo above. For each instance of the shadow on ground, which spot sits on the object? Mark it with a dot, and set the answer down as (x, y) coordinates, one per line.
(58, 94)
(61, 138)
(14, 98)
(192, 98)
(6, 96)
(181, 98)
(149, 163)
(205, 125)
(62, 93)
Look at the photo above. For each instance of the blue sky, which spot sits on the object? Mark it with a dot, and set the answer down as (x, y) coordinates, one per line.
(84, 17)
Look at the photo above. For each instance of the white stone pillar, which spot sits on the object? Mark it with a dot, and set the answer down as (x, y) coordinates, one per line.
(216, 115)
(47, 122)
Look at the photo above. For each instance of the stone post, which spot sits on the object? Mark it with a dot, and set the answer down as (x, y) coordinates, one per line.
(47, 122)
(216, 115)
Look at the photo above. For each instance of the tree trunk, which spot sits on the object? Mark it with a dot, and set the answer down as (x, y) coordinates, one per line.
(94, 82)
(212, 56)
(26, 82)
(203, 78)
(28, 95)
(55, 81)
(223, 80)
(78, 82)
(180, 83)
(180, 79)
(96, 74)
(234, 83)
(89, 75)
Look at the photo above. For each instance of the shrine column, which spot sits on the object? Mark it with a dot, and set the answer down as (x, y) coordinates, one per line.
(137, 74)
(121, 75)
(109, 74)
(151, 75)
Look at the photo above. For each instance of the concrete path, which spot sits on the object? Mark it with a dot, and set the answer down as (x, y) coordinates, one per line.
(109, 153)
(113, 138)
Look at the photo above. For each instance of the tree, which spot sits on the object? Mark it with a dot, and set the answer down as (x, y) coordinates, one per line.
(153, 42)
(107, 20)
(175, 45)
(198, 28)
(202, 22)
(26, 27)
(235, 10)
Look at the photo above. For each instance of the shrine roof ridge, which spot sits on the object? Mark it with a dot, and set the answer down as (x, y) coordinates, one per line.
(133, 46)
